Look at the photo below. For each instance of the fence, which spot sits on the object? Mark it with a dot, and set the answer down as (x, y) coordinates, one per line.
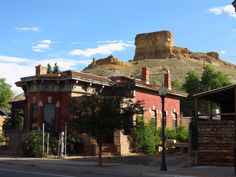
(15, 139)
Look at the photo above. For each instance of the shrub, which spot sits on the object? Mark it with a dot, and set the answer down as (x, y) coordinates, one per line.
(145, 138)
(170, 133)
(32, 146)
(2, 139)
(181, 134)
(74, 144)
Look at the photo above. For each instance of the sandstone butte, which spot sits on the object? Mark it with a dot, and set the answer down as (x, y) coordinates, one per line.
(156, 50)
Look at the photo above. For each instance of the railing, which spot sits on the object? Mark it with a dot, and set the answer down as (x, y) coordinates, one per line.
(220, 116)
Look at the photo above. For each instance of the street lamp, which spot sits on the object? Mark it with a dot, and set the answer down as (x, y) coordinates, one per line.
(162, 93)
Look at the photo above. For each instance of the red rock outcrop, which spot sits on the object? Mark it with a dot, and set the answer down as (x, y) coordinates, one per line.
(160, 45)
(109, 60)
(214, 55)
(154, 45)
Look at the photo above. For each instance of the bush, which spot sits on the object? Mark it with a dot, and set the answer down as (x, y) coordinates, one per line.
(74, 144)
(32, 147)
(145, 138)
(181, 134)
(170, 133)
(2, 138)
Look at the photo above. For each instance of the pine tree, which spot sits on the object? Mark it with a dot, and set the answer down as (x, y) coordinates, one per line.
(49, 68)
(56, 68)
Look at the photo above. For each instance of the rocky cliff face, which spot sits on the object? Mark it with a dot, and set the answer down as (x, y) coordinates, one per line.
(160, 45)
(103, 61)
(154, 45)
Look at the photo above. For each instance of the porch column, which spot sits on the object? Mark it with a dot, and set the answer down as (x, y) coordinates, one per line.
(196, 107)
(210, 109)
(234, 131)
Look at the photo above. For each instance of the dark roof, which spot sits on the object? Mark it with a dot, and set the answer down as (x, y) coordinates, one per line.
(218, 95)
(66, 75)
(90, 77)
(152, 86)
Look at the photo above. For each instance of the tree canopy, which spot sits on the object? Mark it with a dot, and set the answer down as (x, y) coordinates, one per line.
(5, 95)
(100, 116)
(54, 70)
(196, 83)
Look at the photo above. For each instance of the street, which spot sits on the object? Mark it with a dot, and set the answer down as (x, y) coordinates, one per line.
(28, 167)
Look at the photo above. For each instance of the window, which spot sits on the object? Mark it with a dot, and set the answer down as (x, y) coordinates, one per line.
(174, 120)
(49, 116)
(33, 115)
(154, 117)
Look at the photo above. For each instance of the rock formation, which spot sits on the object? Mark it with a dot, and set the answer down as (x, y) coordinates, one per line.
(160, 45)
(213, 55)
(109, 60)
(154, 45)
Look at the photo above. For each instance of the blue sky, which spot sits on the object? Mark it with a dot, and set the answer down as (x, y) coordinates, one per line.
(72, 32)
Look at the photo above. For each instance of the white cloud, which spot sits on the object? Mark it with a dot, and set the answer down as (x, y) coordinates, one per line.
(25, 29)
(42, 45)
(13, 68)
(103, 49)
(228, 9)
(222, 52)
(233, 30)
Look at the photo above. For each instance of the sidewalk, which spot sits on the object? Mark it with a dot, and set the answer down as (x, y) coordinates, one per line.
(120, 168)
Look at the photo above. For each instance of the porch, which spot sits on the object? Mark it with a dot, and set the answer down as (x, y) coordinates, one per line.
(215, 115)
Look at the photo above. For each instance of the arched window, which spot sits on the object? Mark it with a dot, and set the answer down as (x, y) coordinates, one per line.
(49, 116)
(154, 117)
(174, 120)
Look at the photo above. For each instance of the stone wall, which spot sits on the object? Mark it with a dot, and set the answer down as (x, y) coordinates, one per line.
(122, 143)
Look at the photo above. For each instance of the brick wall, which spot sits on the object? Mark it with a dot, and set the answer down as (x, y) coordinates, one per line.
(61, 101)
(122, 143)
(153, 102)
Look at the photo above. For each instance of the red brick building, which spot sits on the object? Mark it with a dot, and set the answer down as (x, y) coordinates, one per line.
(48, 96)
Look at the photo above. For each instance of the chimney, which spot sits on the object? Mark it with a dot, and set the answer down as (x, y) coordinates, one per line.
(145, 75)
(40, 70)
(167, 80)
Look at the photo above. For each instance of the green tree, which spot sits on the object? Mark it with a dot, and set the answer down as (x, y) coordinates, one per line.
(212, 79)
(145, 137)
(100, 116)
(192, 85)
(32, 147)
(195, 83)
(14, 121)
(49, 68)
(56, 68)
(177, 85)
(5, 95)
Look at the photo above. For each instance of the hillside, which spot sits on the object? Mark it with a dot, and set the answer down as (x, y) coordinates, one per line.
(157, 51)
